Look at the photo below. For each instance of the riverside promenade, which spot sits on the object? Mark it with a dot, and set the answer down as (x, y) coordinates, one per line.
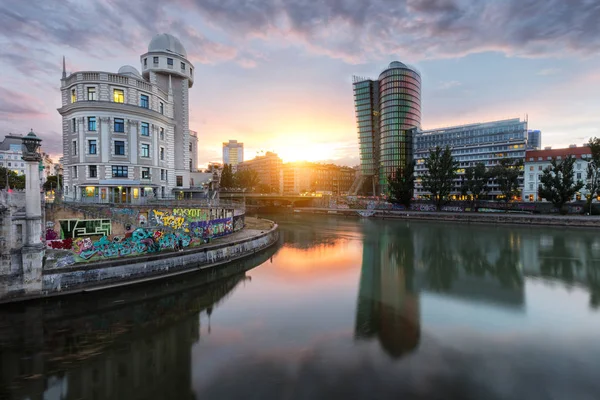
(571, 221)
(56, 279)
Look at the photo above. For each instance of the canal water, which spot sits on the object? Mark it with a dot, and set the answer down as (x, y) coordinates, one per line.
(344, 308)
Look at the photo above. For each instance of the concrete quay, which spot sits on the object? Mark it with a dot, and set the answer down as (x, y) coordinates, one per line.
(260, 234)
(570, 221)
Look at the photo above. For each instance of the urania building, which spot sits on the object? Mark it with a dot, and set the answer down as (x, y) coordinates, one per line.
(126, 135)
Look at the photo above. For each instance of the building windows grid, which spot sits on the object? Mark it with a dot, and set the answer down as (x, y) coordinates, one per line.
(119, 125)
(119, 171)
(92, 147)
(118, 95)
(119, 147)
(91, 124)
(145, 129)
(145, 150)
(91, 94)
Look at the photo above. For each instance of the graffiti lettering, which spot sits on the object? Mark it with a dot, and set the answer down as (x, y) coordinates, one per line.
(73, 228)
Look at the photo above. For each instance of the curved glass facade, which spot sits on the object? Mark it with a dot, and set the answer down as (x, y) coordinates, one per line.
(400, 115)
(366, 93)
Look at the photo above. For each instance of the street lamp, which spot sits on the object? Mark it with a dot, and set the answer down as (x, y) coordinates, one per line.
(32, 144)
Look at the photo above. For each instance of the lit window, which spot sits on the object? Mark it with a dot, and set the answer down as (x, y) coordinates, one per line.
(119, 125)
(119, 171)
(118, 95)
(93, 171)
(170, 62)
(92, 147)
(145, 150)
(91, 124)
(144, 101)
(145, 129)
(91, 94)
(119, 148)
(73, 96)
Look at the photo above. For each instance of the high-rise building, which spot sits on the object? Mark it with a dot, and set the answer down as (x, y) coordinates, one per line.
(233, 153)
(126, 136)
(486, 143)
(388, 113)
(269, 169)
(11, 153)
(534, 140)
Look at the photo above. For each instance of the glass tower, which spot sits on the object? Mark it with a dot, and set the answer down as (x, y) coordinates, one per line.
(388, 113)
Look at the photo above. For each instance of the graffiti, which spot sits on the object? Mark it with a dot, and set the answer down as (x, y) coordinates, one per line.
(197, 214)
(72, 228)
(238, 222)
(213, 228)
(50, 234)
(142, 219)
(65, 261)
(124, 211)
(64, 244)
(422, 207)
(453, 208)
(165, 219)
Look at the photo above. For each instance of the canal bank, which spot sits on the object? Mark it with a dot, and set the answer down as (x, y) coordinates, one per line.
(98, 275)
(570, 221)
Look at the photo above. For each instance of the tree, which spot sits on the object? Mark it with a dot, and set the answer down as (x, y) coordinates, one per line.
(593, 172)
(51, 182)
(15, 181)
(226, 177)
(476, 181)
(558, 184)
(246, 178)
(439, 180)
(401, 185)
(507, 174)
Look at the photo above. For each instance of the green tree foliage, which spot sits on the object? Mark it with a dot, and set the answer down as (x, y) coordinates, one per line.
(401, 185)
(439, 180)
(593, 172)
(14, 181)
(226, 177)
(558, 185)
(51, 183)
(507, 174)
(475, 181)
(246, 179)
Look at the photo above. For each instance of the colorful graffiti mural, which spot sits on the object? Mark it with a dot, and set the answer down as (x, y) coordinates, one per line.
(161, 230)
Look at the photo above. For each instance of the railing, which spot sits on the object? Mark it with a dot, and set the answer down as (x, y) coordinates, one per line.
(121, 80)
(144, 86)
(91, 76)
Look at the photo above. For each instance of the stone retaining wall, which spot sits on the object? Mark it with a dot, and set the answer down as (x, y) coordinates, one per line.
(106, 274)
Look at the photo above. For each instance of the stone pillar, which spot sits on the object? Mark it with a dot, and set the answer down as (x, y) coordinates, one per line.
(33, 249)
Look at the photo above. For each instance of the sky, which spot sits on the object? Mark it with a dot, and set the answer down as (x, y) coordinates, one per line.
(277, 74)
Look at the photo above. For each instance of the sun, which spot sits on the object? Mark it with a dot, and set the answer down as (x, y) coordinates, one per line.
(298, 151)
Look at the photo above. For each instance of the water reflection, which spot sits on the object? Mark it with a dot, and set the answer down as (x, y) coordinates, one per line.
(129, 344)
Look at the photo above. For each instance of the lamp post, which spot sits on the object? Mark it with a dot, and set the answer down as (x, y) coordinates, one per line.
(33, 248)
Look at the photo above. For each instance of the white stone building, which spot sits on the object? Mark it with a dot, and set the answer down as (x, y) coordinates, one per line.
(126, 136)
(538, 160)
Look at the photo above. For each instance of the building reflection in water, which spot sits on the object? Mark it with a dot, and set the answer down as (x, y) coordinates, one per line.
(129, 344)
(388, 304)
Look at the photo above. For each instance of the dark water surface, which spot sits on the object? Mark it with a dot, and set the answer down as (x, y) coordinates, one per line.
(343, 309)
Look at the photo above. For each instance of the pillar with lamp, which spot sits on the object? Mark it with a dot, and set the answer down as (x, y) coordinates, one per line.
(33, 248)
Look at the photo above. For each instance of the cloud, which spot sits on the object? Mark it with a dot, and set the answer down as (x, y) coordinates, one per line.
(14, 105)
(357, 30)
(449, 85)
(549, 71)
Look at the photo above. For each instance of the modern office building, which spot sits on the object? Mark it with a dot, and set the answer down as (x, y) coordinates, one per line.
(126, 136)
(538, 160)
(534, 140)
(11, 152)
(268, 167)
(388, 113)
(486, 143)
(233, 153)
(301, 177)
